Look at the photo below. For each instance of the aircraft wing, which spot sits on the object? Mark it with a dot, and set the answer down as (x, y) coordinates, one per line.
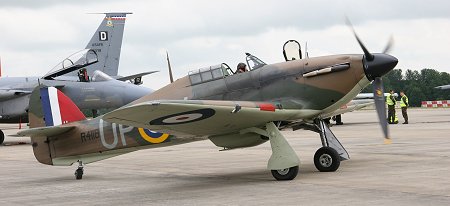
(15, 91)
(45, 131)
(135, 75)
(199, 117)
(8, 93)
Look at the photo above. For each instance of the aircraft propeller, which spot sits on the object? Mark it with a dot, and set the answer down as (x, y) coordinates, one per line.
(375, 66)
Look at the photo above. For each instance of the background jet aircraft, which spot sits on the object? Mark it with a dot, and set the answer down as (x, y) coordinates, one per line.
(233, 110)
(99, 91)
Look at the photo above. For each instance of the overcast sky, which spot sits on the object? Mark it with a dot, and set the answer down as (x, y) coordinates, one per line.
(36, 35)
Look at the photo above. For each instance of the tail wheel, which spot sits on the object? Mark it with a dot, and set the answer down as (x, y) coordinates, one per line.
(79, 174)
(327, 159)
(285, 174)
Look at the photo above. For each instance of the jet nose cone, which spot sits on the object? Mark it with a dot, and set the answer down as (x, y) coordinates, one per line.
(380, 65)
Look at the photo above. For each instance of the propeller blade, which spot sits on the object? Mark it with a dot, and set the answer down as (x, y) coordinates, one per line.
(389, 45)
(367, 54)
(380, 105)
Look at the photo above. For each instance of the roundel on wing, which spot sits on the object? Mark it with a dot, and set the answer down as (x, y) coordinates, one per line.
(152, 137)
(184, 117)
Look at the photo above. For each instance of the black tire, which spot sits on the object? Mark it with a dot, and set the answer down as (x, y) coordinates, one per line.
(2, 137)
(327, 159)
(79, 174)
(285, 174)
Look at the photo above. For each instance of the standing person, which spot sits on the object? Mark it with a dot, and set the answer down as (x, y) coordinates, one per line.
(404, 105)
(390, 100)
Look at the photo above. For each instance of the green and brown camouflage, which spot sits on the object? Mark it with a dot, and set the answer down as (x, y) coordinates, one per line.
(283, 84)
(90, 140)
(233, 110)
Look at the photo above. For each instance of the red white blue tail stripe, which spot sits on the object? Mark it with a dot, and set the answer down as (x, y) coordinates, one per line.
(58, 108)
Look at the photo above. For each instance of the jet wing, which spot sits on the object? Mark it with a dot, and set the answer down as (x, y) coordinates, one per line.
(15, 91)
(8, 93)
(45, 131)
(135, 75)
(199, 117)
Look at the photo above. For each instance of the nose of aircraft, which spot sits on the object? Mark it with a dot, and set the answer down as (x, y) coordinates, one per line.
(379, 65)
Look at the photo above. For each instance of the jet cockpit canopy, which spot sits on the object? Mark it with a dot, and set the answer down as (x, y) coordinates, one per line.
(74, 62)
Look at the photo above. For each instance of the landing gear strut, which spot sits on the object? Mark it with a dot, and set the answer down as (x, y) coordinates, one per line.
(79, 171)
(328, 158)
(284, 161)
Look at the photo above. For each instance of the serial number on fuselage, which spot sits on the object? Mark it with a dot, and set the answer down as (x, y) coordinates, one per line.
(89, 135)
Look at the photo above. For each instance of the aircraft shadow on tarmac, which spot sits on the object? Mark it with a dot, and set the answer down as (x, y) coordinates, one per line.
(182, 181)
(375, 122)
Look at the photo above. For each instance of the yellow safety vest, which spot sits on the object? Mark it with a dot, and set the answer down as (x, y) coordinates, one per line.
(404, 101)
(389, 100)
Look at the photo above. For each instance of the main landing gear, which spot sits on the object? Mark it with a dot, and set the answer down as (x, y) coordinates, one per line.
(284, 161)
(79, 171)
(329, 156)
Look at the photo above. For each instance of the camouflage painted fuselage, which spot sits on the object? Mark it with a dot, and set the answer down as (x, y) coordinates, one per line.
(285, 84)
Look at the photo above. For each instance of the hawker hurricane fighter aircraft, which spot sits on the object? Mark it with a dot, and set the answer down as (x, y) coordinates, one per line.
(233, 110)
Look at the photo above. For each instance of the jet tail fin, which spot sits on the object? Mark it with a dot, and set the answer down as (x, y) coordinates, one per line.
(107, 43)
(51, 107)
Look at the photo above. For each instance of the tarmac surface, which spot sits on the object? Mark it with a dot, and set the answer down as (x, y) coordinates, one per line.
(413, 170)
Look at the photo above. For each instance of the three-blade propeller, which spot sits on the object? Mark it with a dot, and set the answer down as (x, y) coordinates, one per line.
(375, 66)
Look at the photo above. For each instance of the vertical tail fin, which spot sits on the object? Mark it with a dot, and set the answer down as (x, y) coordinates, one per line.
(51, 107)
(107, 43)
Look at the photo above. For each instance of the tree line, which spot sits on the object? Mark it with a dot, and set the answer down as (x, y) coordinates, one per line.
(418, 85)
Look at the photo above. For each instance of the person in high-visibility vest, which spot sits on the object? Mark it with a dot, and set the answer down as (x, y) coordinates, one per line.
(404, 105)
(390, 100)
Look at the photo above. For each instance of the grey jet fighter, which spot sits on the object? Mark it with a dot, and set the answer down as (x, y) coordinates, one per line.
(90, 85)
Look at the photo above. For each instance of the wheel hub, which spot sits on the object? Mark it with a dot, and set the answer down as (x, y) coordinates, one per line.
(283, 171)
(325, 160)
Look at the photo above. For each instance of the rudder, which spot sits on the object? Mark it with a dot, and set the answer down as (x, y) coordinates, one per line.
(107, 42)
(51, 107)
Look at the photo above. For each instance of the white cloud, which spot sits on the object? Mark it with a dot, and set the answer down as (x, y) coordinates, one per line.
(201, 33)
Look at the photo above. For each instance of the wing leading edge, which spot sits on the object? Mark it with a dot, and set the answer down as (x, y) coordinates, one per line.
(199, 118)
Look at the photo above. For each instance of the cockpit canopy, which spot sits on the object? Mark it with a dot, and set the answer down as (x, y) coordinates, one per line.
(209, 73)
(74, 62)
(221, 70)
